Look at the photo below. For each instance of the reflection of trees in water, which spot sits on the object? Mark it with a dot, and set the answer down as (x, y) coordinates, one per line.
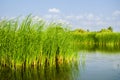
(58, 72)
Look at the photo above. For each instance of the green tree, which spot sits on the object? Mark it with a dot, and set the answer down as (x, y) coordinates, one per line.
(79, 30)
(110, 28)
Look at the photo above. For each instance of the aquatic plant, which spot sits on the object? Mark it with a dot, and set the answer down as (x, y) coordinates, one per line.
(97, 38)
(31, 43)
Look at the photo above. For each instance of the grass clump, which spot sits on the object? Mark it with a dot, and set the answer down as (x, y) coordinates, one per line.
(32, 43)
(97, 38)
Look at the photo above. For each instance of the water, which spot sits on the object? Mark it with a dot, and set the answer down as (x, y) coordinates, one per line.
(92, 65)
(101, 66)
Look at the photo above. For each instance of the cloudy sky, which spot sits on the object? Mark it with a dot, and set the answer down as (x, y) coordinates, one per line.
(86, 14)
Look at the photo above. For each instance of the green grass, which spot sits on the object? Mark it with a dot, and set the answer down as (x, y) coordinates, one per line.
(26, 42)
(107, 39)
(32, 43)
(98, 38)
(84, 38)
(100, 41)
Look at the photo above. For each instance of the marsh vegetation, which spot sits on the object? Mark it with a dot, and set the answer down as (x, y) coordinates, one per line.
(28, 43)
(35, 49)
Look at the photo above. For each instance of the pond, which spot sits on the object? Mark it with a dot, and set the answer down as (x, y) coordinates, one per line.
(100, 66)
(92, 65)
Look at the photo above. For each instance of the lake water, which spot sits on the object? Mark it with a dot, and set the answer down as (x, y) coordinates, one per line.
(92, 65)
(101, 66)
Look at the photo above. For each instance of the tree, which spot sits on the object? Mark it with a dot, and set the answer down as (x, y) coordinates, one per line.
(88, 30)
(110, 28)
(105, 30)
(79, 30)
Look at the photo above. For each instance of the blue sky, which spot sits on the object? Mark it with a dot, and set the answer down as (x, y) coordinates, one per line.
(86, 14)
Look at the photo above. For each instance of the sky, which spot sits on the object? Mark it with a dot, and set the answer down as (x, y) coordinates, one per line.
(85, 14)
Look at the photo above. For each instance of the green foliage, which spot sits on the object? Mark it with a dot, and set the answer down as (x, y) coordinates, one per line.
(105, 30)
(110, 28)
(79, 31)
(30, 43)
(84, 38)
(108, 38)
(99, 38)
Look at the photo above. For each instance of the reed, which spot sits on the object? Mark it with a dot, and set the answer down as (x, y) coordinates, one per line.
(97, 38)
(26, 42)
(84, 38)
(32, 43)
(110, 38)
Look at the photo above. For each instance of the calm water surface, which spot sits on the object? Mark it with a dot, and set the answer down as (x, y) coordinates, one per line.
(90, 66)
(101, 66)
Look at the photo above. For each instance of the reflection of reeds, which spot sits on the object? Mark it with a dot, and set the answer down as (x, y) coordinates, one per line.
(59, 72)
(30, 43)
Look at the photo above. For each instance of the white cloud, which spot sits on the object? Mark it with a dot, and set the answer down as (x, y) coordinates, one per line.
(52, 16)
(63, 21)
(98, 18)
(54, 10)
(79, 17)
(87, 17)
(87, 21)
(48, 16)
(116, 13)
(75, 17)
(37, 18)
(90, 16)
(70, 17)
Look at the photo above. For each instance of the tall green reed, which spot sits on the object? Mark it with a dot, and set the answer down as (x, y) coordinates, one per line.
(97, 38)
(32, 43)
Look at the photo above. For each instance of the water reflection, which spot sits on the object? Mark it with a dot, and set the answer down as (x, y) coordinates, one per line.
(60, 72)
